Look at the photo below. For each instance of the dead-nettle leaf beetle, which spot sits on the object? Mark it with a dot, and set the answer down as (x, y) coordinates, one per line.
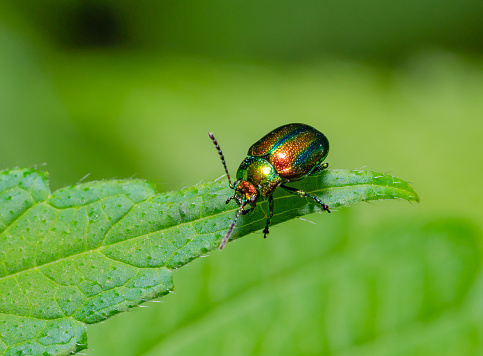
(286, 154)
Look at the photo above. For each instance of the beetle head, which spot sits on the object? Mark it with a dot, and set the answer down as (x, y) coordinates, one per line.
(245, 193)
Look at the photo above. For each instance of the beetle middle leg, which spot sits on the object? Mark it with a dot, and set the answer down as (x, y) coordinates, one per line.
(307, 195)
(270, 215)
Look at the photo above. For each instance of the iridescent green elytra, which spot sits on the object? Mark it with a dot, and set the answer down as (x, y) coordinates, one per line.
(286, 154)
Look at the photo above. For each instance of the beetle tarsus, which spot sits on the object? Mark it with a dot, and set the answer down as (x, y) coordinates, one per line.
(265, 231)
(246, 211)
(320, 168)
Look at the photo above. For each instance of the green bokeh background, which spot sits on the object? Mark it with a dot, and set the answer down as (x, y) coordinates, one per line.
(130, 89)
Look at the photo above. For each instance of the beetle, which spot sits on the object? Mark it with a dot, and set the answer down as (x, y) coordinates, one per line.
(287, 154)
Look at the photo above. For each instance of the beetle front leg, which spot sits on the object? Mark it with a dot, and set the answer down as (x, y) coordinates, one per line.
(270, 215)
(246, 211)
(307, 195)
(230, 199)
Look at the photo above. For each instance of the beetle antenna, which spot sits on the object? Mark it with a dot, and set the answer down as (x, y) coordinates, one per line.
(222, 158)
(232, 226)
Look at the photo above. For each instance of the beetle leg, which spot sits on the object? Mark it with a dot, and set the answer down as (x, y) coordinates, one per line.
(246, 211)
(320, 167)
(230, 198)
(304, 194)
(270, 215)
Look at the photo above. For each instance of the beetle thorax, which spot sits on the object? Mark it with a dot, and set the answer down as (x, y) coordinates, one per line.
(260, 173)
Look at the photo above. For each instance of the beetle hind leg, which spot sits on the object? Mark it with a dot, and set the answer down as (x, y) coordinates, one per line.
(320, 168)
(307, 195)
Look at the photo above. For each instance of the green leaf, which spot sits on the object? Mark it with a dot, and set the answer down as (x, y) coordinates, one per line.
(403, 287)
(86, 252)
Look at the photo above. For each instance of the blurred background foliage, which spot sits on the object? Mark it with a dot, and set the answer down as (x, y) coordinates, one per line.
(130, 89)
